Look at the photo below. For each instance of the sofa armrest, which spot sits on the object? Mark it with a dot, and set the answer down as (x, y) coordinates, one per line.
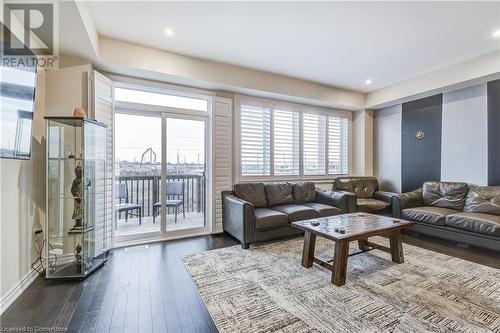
(406, 200)
(352, 200)
(346, 201)
(237, 217)
(384, 196)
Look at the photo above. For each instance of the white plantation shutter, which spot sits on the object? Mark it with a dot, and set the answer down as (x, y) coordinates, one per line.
(338, 145)
(255, 132)
(286, 147)
(103, 112)
(280, 139)
(314, 144)
(344, 132)
(222, 156)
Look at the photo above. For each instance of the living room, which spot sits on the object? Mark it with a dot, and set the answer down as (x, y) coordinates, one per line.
(250, 166)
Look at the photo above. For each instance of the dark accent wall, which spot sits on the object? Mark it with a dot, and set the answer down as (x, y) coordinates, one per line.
(494, 132)
(421, 159)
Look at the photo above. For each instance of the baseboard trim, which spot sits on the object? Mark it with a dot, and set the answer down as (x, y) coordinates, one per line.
(17, 290)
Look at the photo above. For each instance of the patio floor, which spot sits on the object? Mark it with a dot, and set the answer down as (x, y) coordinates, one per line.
(132, 227)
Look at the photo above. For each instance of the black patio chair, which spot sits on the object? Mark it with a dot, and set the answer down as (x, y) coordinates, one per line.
(126, 206)
(175, 190)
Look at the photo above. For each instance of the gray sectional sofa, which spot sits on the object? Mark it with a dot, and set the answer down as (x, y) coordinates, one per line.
(255, 212)
(453, 211)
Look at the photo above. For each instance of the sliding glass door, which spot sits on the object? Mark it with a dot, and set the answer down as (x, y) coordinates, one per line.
(160, 174)
(138, 175)
(185, 172)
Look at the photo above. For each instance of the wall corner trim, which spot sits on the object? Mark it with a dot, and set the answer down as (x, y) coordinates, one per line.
(17, 290)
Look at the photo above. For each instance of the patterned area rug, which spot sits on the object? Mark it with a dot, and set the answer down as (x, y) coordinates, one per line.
(265, 289)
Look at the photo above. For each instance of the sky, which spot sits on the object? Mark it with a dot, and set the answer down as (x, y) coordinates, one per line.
(136, 133)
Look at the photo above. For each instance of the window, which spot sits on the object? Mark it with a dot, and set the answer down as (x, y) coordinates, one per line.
(152, 98)
(314, 144)
(337, 146)
(287, 140)
(255, 141)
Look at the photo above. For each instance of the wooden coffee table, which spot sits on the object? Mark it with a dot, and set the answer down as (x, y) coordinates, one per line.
(346, 228)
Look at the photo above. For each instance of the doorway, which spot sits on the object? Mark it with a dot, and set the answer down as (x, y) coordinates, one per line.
(160, 173)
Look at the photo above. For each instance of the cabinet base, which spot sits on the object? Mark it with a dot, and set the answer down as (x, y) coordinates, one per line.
(76, 276)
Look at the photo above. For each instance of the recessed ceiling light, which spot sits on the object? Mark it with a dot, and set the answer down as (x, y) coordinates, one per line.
(496, 33)
(169, 32)
(368, 81)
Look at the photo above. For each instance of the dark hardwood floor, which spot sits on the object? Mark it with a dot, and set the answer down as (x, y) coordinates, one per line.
(149, 290)
(137, 290)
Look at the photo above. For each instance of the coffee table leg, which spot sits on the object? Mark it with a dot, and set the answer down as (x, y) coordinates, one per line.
(363, 246)
(308, 250)
(396, 247)
(340, 262)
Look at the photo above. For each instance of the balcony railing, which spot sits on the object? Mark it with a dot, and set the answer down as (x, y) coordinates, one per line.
(145, 190)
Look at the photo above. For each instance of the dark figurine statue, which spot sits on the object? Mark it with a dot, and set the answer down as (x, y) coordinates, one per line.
(78, 257)
(77, 192)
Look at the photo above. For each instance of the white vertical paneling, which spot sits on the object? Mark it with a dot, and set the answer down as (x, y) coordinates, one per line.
(387, 147)
(286, 145)
(464, 143)
(222, 155)
(103, 112)
(338, 145)
(255, 151)
(314, 144)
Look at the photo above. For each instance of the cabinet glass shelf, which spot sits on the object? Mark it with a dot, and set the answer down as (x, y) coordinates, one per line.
(76, 197)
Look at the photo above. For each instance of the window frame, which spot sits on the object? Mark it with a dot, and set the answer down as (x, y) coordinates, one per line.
(122, 82)
(302, 109)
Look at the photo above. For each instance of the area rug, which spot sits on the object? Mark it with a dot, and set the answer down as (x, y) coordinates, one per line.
(265, 289)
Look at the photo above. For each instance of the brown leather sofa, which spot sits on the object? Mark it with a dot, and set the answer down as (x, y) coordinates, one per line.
(454, 211)
(255, 212)
(366, 190)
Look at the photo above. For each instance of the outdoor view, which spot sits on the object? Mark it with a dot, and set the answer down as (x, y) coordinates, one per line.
(138, 170)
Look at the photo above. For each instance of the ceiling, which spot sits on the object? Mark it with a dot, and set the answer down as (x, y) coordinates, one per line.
(336, 43)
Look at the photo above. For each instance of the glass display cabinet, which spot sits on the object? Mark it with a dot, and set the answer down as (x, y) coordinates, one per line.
(75, 202)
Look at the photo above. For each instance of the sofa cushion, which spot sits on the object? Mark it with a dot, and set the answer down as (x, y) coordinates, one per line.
(444, 194)
(362, 187)
(296, 212)
(431, 215)
(255, 193)
(369, 204)
(483, 199)
(323, 210)
(304, 192)
(279, 194)
(476, 222)
(267, 218)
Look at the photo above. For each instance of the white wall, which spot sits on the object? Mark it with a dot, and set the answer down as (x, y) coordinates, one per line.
(464, 148)
(464, 74)
(22, 204)
(387, 147)
(362, 146)
(66, 89)
(136, 60)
